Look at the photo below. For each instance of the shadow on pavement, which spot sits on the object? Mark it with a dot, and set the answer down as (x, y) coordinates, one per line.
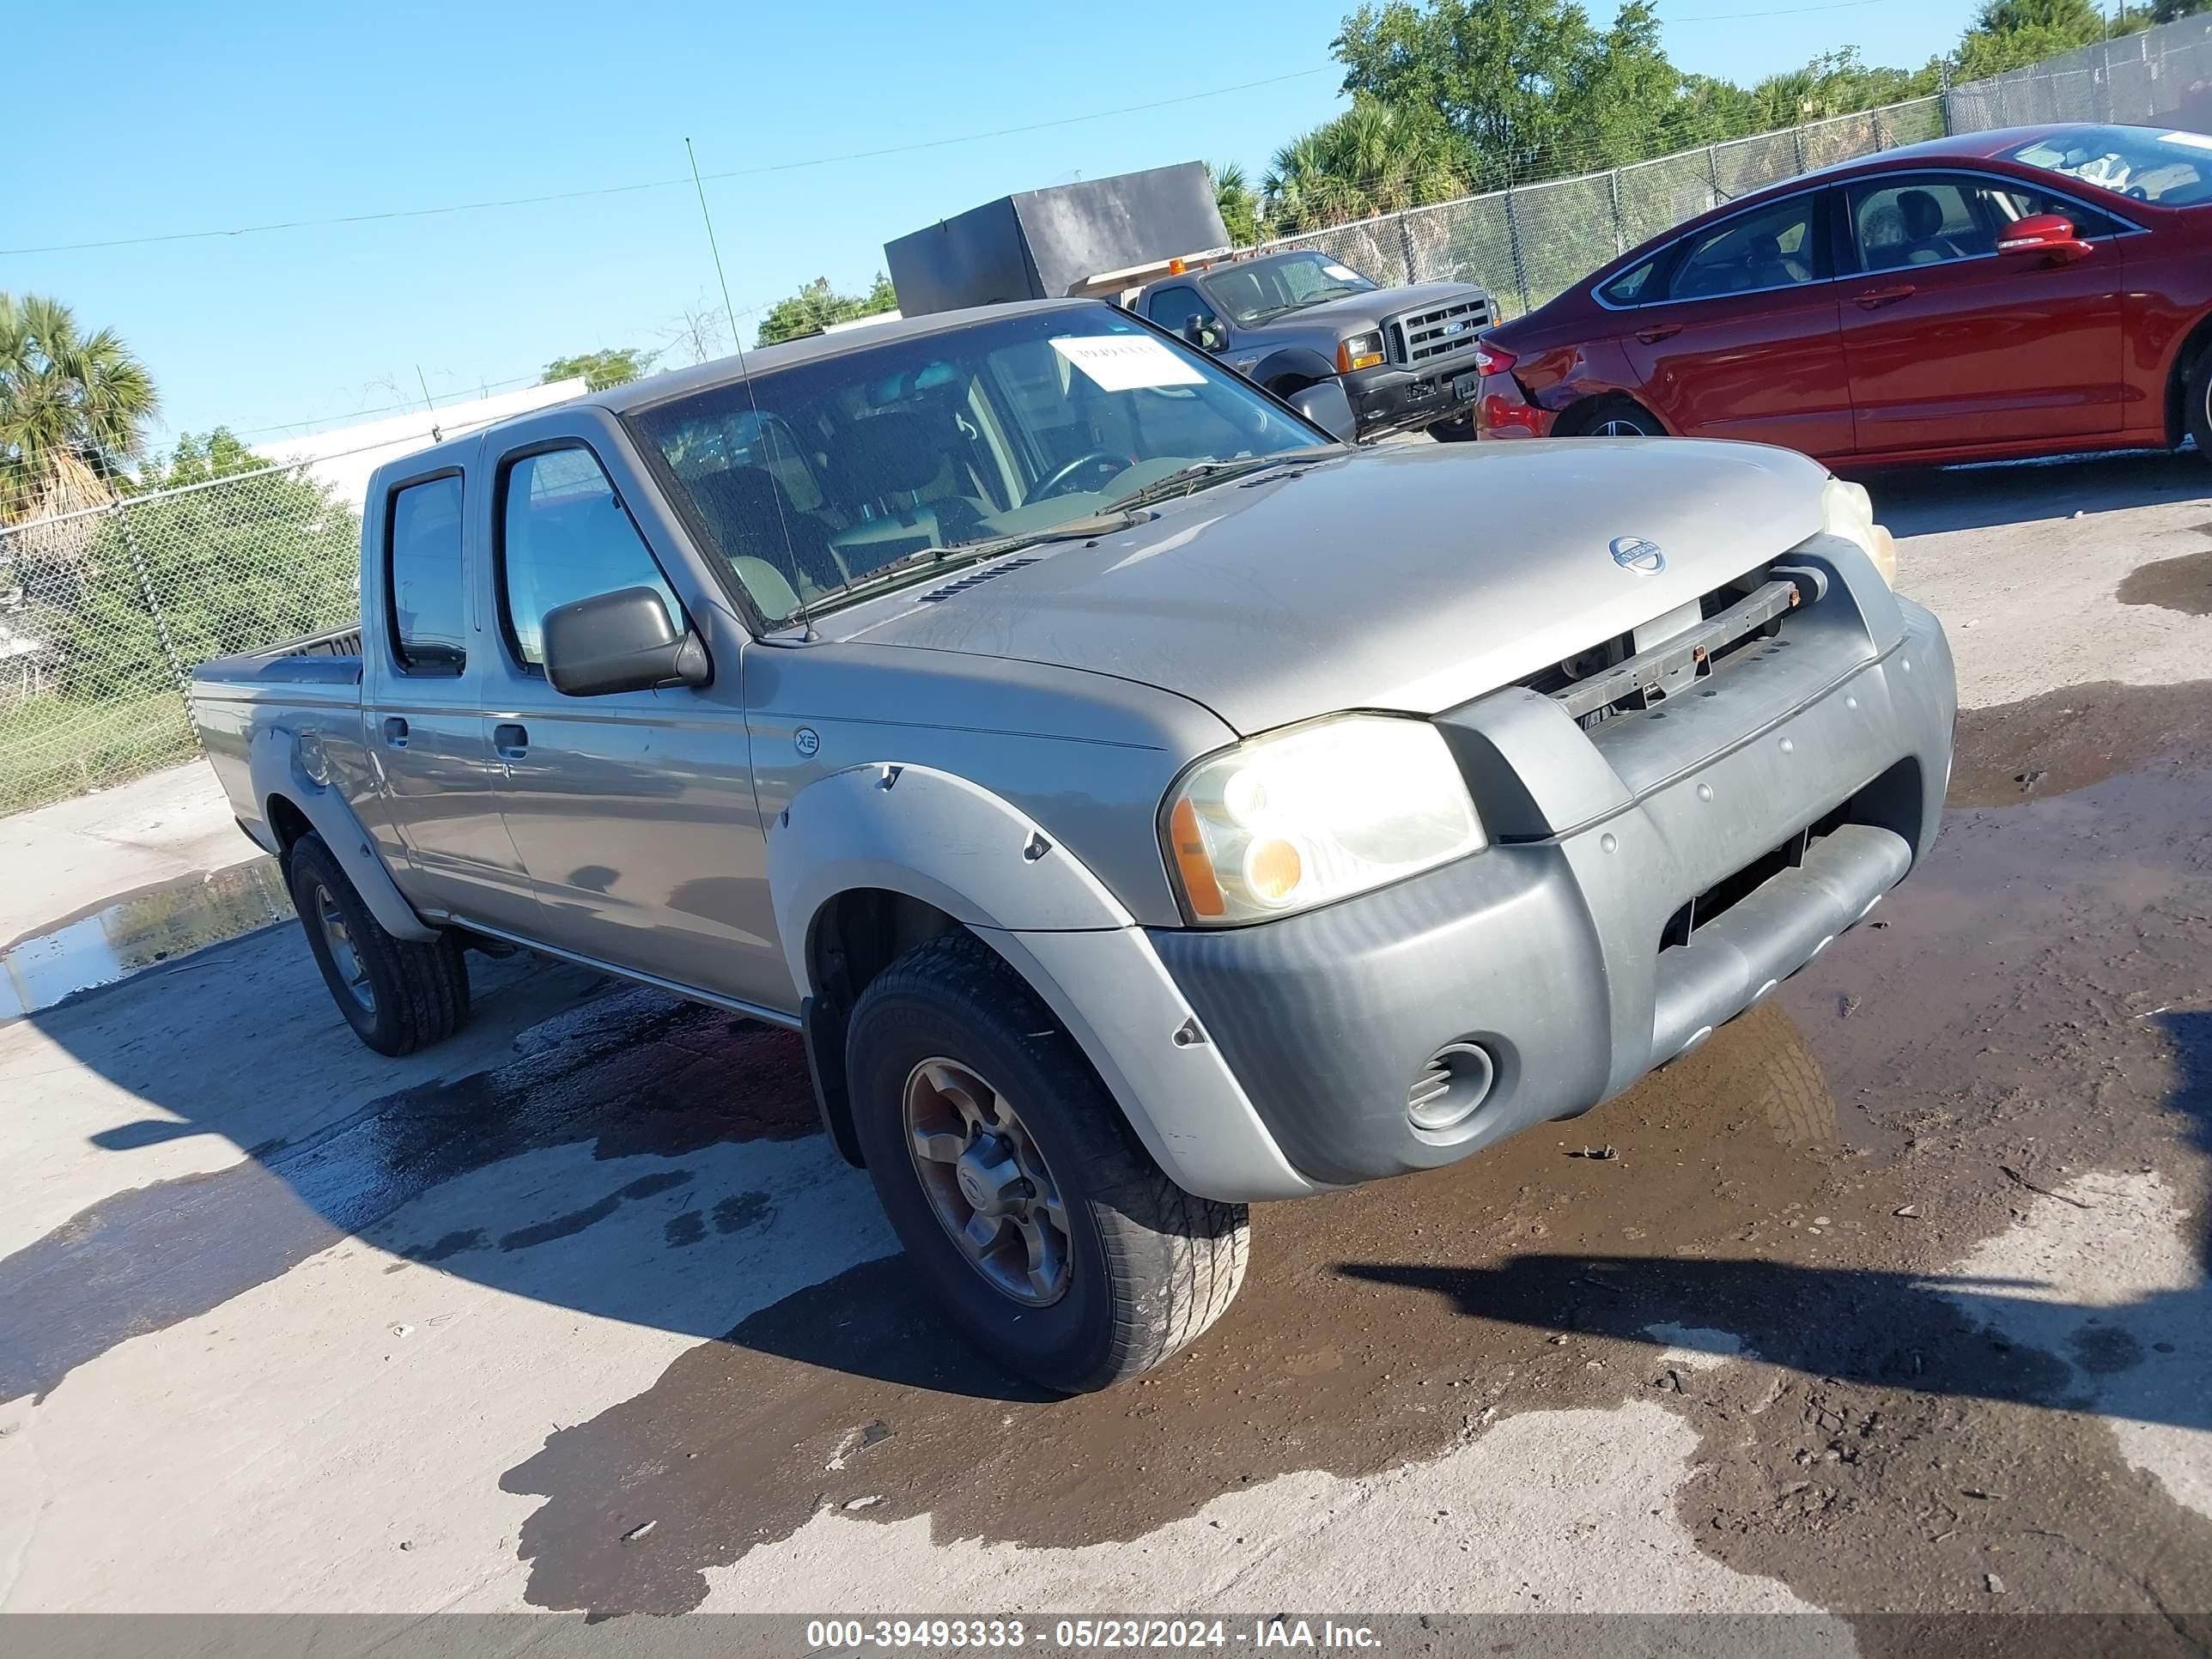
(1927, 501)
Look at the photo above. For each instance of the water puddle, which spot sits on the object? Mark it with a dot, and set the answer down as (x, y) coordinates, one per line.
(2184, 584)
(131, 934)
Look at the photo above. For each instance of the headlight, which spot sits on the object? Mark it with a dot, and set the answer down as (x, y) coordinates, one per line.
(1360, 351)
(1297, 818)
(1846, 510)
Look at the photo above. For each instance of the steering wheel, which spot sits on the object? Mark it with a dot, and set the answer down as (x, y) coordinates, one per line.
(2137, 193)
(1056, 482)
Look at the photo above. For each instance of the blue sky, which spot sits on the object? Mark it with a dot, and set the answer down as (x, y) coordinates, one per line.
(160, 120)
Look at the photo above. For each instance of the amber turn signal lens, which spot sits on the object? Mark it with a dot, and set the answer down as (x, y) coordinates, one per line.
(1191, 860)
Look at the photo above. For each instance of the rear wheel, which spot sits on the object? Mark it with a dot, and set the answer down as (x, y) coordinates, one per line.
(397, 995)
(1460, 431)
(1054, 1242)
(1619, 418)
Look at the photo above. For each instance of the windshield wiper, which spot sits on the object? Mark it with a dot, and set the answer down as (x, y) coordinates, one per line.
(1184, 479)
(928, 559)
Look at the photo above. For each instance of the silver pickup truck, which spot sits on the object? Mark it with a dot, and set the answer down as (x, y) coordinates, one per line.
(1142, 802)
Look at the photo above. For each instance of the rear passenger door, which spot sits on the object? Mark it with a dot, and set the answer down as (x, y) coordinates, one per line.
(426, 721)
(1746, 342)
(633, 812)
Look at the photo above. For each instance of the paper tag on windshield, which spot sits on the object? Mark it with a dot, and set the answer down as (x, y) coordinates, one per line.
(1342, 273)
(2193, 140)
(1127, 362)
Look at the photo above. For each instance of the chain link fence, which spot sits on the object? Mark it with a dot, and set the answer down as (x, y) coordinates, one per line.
(103, 612)
(1526, 244)
(2163, 74)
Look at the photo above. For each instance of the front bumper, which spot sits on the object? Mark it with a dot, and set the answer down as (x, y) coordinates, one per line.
(1558, 949)
(1388, 400)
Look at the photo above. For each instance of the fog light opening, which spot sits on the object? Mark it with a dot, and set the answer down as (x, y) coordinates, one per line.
(1451, 1087)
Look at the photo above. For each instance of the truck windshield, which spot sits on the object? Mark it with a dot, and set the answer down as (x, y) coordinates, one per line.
(810, 480)
(1255, 290)
(2173, 169)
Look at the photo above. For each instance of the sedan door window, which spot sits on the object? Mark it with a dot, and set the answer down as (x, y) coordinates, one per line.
(1768, 248)
(1930, 219)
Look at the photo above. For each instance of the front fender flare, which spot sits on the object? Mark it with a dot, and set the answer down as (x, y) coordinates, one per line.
(974, 856)
(1300, 361)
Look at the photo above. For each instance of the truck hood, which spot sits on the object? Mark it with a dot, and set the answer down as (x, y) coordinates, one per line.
(1350, 309)
(1411, 578)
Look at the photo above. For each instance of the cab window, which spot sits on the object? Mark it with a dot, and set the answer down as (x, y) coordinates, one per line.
(1768, 248)
(1175, 308)
(563, 535)
(423, 565)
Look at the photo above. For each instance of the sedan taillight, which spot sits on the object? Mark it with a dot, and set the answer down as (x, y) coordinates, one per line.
(1491, 358)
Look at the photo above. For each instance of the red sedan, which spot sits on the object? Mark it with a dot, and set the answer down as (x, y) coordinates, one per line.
(2024, 292)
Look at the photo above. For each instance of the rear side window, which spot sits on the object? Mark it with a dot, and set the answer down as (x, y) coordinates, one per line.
(424, 562)
(565, 536)
(1633, 286)
(1768, 247)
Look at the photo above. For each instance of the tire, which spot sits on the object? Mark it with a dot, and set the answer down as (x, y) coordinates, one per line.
(1461, 431)
(1619, 418)
(2197, 400)
(1145, 1266)
(397, 995)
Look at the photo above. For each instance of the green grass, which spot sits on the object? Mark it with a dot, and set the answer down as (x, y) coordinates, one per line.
(51, 748)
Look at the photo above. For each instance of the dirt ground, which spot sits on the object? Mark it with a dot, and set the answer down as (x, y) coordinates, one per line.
(1888, 1304)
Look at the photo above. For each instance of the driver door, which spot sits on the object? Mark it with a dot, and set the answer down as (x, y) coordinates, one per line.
(1951, 341)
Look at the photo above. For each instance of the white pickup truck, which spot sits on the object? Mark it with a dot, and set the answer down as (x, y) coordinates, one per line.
(1143, 803)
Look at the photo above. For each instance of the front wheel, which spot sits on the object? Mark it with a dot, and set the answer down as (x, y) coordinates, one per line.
(1055, 1242)
(2197, 400)
(1460, 431)
(397, 995)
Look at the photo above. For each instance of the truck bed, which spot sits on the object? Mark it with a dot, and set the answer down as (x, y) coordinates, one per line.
(332, 658)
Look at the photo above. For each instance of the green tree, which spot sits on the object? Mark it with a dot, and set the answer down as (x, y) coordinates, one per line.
(1376, 157)
(1502, 74)
(1240, 207)
(73, 410)
(266, 555)
(610, 366)
(817, 305)
(2007, 34)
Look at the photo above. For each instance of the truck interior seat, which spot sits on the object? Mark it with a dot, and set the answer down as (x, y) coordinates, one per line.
(755, 521)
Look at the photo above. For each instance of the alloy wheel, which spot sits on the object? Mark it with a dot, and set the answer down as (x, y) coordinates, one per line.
(987, 1182)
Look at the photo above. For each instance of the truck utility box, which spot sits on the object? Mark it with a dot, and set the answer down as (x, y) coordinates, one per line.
(1047, 244)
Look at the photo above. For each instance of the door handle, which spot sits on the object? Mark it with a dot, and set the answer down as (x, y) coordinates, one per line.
(395, 732)
(1874, 298)
(1658, 332)
(510, 740)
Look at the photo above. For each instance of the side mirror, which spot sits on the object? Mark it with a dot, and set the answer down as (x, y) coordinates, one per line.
(1324, 404)
(619, 642)
(2045, 235)
(1205, 332)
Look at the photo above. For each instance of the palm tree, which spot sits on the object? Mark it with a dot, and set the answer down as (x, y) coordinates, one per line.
(1239, 207)
(1374, 158)
(73, 408)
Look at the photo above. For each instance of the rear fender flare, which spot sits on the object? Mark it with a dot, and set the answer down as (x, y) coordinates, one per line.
(278, 772)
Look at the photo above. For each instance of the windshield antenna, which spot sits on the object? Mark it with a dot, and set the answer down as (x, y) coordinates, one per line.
(752, 395)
